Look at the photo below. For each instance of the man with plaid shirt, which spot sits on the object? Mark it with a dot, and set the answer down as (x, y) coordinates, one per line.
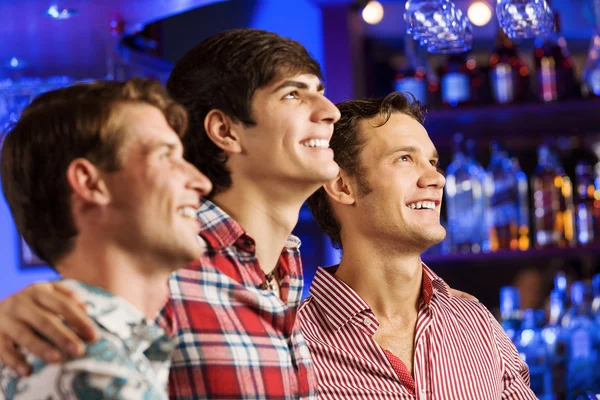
(259, 129)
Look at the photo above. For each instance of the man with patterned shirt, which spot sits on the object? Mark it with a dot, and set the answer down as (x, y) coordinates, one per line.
(96, 181)
(381, 325)
(259, 129)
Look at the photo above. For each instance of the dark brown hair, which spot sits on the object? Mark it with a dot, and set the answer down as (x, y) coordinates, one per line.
(223, 72)
(347, 143)
(56, 128)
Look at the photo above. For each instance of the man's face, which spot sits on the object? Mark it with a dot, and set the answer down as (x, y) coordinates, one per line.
(154, 196)
(403, 205)
(290, 142)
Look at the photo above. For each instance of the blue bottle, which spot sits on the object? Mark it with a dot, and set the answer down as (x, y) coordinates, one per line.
(510, 312)
(464, 202)
(555, 340)
(502, 190)
(532, 350)
(582, 363)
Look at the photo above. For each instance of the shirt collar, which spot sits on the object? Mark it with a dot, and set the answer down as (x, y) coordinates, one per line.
(340, 303)
(219, 230)
(116, 315)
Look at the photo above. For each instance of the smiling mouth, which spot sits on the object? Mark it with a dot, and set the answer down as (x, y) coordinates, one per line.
(319, 143)
(188, 212)
(422, 205)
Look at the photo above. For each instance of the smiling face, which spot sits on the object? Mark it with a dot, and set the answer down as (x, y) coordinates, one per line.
(154, 196)
(289, 145)
(399, 194)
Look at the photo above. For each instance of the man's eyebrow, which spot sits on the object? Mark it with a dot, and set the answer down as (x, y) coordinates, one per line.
(412, 150)
(297, 85)
(156, 146)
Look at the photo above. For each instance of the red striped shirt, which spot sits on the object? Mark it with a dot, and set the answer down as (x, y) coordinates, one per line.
(461, 352)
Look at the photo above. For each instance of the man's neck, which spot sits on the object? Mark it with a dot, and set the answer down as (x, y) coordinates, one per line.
(268, 219)
(389, 281)
(121, 274)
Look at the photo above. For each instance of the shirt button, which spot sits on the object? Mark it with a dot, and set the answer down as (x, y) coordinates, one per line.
(422, 395)
(367, 321)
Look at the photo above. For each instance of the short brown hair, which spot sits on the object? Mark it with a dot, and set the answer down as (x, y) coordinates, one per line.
(347, 144)
(56, 128)
(223, 72)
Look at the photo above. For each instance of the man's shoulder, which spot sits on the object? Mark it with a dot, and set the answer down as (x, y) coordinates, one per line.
(464, 310)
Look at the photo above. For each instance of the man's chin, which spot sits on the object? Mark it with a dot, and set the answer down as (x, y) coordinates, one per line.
(432, 239)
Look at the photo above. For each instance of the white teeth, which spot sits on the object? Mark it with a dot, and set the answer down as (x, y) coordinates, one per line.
(322, 143)
(429, 205)
(187, 212)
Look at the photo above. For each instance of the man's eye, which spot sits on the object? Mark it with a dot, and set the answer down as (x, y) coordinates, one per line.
(292, 95)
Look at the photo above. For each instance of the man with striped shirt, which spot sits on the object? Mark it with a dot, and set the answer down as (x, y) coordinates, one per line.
(381, 325)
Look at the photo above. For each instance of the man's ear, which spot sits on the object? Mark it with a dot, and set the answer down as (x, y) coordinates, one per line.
(223, 131)
(340, 189)
(86, 182)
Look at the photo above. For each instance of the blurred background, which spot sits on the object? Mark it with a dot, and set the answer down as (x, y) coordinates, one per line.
(516, 122)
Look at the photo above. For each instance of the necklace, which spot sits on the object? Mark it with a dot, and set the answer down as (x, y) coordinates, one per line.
(271, 283)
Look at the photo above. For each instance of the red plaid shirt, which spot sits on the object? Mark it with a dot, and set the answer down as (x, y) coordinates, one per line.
(234, 340)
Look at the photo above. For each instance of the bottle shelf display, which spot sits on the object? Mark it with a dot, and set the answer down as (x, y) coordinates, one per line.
(500, 210)
(562, 351)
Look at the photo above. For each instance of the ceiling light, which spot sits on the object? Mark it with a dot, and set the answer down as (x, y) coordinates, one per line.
(479, 13)
(373, 12)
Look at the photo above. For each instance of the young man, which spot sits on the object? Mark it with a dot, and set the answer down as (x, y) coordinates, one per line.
(381, 325)
(95, 178)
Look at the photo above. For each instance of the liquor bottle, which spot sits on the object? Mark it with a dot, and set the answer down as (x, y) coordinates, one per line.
(587, 207)
(510, 312)
(523, 216)
(582, 345)
(502, 190)
(464, 202)
(455, 78)
(556, 345)
(509, 75)
(532, 350)
(413, 77)
(482, 202)
(554, 66)
(553, 202)
(591, 69)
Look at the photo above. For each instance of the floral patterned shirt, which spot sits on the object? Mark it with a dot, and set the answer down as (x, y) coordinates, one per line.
(130, 360)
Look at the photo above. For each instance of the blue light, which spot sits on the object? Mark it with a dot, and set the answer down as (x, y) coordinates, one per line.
(15, 63)
(65, 13)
